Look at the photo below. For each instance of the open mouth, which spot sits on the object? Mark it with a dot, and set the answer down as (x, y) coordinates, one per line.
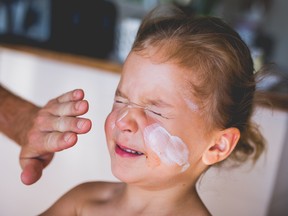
(124, 151)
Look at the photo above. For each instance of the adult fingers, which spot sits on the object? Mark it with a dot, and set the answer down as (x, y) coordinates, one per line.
(68, 108)
(77, 94)
(63, 124)
(41, 144)
(56, 141)
(77, 125)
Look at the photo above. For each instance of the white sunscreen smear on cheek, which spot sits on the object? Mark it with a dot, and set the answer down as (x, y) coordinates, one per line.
(170, 149)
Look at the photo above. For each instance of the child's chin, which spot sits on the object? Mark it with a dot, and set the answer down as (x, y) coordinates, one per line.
(125, 176)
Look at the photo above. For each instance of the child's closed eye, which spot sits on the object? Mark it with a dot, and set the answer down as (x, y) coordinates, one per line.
(157, 113)
(119, 100)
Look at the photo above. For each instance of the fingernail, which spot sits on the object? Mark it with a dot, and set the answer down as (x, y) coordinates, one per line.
(67, 137)
(76, 93)
(80, 124)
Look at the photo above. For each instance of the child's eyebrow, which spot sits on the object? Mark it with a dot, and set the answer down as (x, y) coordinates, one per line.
(159, 103)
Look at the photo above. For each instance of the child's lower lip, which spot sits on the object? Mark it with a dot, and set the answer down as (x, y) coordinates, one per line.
(120, 151)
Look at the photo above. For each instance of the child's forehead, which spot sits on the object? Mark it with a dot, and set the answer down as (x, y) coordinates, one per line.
(144, 72)
(160, 52)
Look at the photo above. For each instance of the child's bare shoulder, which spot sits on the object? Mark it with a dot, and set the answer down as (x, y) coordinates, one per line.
(85, 197)
(98, 191)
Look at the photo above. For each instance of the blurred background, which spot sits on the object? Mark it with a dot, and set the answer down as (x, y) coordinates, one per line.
(105, 30)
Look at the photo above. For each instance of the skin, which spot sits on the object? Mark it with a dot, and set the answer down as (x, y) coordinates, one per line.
(148, 183)
(42, 131)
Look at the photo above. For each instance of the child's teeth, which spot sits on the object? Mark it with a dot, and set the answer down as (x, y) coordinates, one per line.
(132, 151)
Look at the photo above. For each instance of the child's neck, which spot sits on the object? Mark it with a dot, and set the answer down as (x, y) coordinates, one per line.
(162, 201)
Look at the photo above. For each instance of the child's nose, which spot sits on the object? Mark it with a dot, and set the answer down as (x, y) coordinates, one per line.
(129, 120)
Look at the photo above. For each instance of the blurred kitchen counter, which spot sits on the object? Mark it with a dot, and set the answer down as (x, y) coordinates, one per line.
(105, 65)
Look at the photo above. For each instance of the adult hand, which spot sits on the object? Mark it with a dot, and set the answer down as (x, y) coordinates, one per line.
(53, 128)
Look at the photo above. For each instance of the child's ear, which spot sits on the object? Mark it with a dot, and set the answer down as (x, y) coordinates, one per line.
(221, 148)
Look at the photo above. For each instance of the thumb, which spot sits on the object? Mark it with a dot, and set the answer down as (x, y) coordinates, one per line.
(32, 170)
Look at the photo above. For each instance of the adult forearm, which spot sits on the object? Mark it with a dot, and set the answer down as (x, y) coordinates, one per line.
(16, 115)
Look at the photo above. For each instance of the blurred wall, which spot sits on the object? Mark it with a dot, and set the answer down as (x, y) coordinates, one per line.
(279, 199)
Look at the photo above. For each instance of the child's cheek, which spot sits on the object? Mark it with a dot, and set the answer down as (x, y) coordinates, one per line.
(110, 124)
(165, 148)
(152, 158)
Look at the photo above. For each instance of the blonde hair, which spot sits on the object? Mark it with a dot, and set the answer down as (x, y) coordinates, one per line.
(220, 61)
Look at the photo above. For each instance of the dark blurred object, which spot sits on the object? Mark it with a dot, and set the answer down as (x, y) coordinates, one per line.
(8, 4)
(31, 18)
(246, 4)
(85, 27)
(21, 17)
(192, 8)
(266, 43)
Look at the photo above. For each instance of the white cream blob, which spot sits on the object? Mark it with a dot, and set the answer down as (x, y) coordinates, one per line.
(170, 149)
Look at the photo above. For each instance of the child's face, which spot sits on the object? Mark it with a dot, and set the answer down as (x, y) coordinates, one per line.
(154, 132)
